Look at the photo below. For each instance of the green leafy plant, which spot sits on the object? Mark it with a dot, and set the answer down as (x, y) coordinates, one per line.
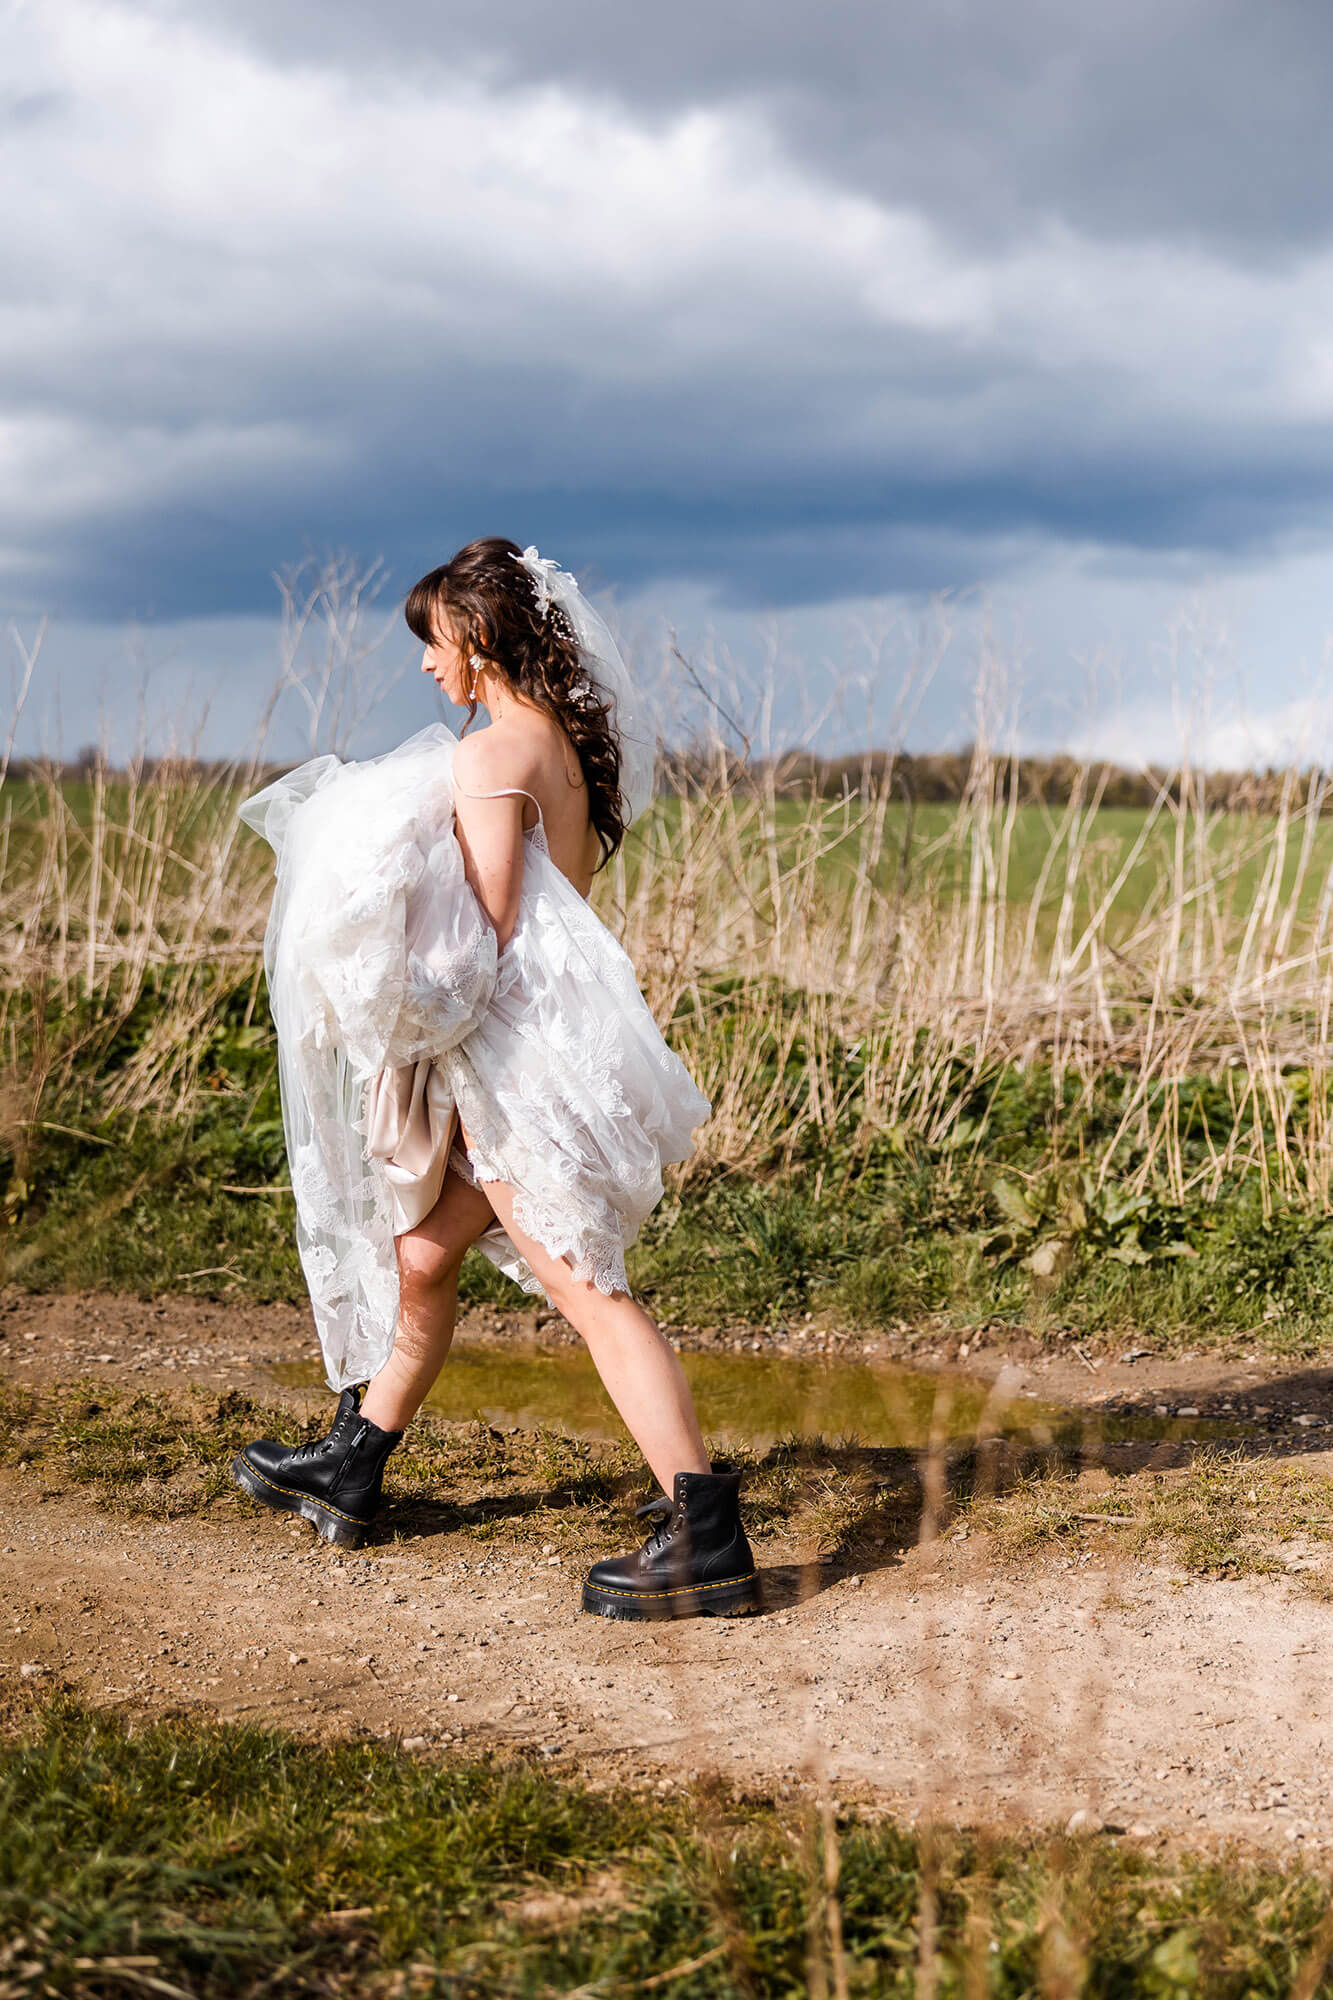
(1061, 1220)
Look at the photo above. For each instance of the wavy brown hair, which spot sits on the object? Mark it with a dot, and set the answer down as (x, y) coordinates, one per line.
(489, 603)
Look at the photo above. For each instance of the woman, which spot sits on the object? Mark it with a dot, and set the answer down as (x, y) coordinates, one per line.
(540, 1104)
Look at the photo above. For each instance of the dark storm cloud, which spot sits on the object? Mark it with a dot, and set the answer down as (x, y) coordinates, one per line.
(795, 533)
(292, 281)
(1197, 119)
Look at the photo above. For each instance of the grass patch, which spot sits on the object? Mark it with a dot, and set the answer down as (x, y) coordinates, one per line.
(1225, 1514)
(237, 1861)
(972, 1057)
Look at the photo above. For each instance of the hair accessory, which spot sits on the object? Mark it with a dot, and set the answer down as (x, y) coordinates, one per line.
(604, 674)
(542, 570)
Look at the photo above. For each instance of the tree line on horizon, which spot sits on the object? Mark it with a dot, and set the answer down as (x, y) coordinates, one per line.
(932, 777)
(947, 777)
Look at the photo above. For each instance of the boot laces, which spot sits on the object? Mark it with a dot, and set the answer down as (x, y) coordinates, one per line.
(328, 1443)
(661, 1510)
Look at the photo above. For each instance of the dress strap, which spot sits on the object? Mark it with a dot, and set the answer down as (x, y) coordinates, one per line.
(506, 792)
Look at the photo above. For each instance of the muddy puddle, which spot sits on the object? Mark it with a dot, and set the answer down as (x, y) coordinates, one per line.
(755, 1399)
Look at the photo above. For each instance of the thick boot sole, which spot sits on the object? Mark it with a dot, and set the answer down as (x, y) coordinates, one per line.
(735, 1598)
(334, 1526)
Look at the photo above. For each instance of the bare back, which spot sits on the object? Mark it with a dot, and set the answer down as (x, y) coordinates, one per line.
(530, 751)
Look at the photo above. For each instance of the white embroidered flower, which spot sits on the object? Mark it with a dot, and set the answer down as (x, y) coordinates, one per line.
(543, 570)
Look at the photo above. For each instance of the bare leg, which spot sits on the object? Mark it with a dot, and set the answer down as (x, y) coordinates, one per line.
(429, 1259)
(640, 1370)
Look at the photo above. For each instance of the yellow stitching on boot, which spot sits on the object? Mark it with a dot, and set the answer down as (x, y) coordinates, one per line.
(296, 1494)
(684, 1590)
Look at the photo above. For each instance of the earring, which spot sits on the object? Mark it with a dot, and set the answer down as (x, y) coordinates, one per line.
(476, 663)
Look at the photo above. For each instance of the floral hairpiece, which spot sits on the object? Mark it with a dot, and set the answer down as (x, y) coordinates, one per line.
(543, 571)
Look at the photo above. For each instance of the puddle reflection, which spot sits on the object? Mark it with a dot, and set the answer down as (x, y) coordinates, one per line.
(755, 1399)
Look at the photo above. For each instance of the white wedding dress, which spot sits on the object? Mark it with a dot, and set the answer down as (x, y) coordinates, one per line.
(395, 1014)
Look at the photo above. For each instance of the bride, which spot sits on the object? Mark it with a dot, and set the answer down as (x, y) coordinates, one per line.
(466, 1059)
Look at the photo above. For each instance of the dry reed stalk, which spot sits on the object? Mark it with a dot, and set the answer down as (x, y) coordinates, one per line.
(1310, 1974)
(927, 1917)
(1062, 1959)
(150, 878)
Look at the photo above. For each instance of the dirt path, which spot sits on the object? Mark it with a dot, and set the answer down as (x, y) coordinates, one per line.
(1162, 1705)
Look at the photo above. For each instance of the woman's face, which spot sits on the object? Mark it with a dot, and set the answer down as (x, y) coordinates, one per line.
(443, 661)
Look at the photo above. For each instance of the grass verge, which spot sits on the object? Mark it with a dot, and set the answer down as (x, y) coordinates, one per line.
(896, 1235)
(209, 1861)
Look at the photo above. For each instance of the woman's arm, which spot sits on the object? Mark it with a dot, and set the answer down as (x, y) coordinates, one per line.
(490, 833)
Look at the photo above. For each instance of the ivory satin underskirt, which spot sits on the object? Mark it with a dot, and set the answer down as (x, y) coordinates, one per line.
(412, 1126)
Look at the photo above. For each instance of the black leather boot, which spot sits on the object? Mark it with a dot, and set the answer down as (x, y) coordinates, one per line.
(696, 1561)
(334, 1482)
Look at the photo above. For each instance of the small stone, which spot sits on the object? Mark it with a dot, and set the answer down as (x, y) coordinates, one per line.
(451, 1697)
(1083, 1821)
(551, 1561)
(296, 1659)
(30, 1669)
(1187, 1410)
(854, 1583)
(1305, 1420)
(1141, 1830)
(1160, 1410)
(414, 1742)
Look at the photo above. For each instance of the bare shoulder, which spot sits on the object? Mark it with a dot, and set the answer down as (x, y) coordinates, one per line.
(490, 759)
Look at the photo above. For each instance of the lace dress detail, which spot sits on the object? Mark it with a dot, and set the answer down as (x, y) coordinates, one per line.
(567, 1090)
(391, 1000)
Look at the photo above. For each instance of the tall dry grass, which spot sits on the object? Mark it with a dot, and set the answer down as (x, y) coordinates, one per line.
(886, 967)
(1196, 944)
(136, 885)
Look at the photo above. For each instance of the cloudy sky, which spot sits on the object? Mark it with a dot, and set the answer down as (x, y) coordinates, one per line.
(776, 322)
